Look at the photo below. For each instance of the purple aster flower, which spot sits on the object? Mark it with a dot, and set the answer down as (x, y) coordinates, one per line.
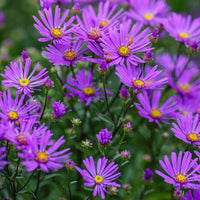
(181, 172)
(153, 111)
(2, 156)
(121, 46)
(20, 135)
(84, 88)
(5, 127)
(185, 84)
(187, 105)
(101, 176)
(188, 129)
(147, 175)
(22, 79)
(42, 153)
(175, 65)
(59, 109)
(149, 12)
(93, 26)
(104, 137)
(189, 195)
(53, 30)
(136, 78)
(14, 110)
(65, 53)
(183, 29)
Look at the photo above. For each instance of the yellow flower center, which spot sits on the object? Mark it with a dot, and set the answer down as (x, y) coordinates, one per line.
(108, 60)
(70, 55)
(183, 35)
(24, 82)
(21, 139)
(148, 16)
(56, 33)
(192, 137)
(138, 83)
(186, 88)
(88, 91)
(198, 111)
(124, 51)
(103, 23)
(94, 33)
(180, 178)
(98, 179)
(156, 114)
(13, 115)
(42, 156)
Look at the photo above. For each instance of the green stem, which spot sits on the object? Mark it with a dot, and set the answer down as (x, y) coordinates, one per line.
(68, 183)
(38, 183)
(45, 104)
(124, 115)
(72, 69)
(26, 182)
(142, 192)
(120, 143)
(106, 97)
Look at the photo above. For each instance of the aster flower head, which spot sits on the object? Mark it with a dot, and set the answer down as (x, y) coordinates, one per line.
(66, 53)
(59, 109)
(14, 110)
(181, 171)
(148, 12)
(94, 25)
(83, 87)
(182, 28)
(153, 111)
(2, 156)
(56, 30)
(22, 79)
(174, 65)
(43, 153)
(101, 176)
(185, 84)
(189, 196)
(104, 137)
(188, 129)
(138, 79)
(21, 134)
(121, 45)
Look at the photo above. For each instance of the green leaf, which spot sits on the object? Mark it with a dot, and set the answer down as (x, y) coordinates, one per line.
(105, 118)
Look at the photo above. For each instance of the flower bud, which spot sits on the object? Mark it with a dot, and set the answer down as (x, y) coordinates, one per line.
(127, 127)
(125, 154)
(147, 175)
(49, 83)
(70, 165)
(124, 94)
(86, 144)
(76, 121)
(76, 9)
(127, 187)
(148, 56)
(154, 35)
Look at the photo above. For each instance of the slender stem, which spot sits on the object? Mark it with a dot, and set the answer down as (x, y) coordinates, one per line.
(72, 69)
(106, 97)
(6, 176)
(142, 192)
(125, 112)
(38, 183)
(45, 104)
(116, 95)
(27, 181)
(68, 183)
(120, 143)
